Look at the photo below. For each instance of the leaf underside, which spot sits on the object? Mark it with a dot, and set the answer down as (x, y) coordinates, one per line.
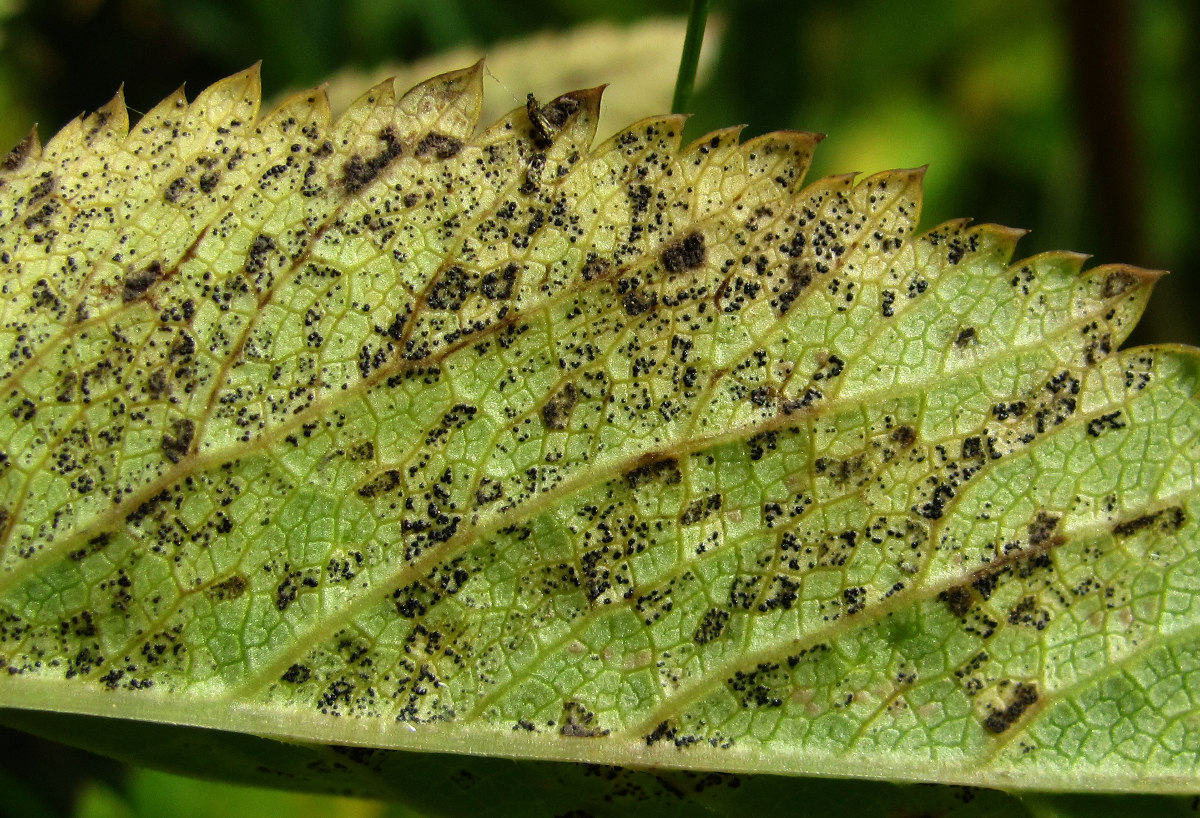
(387, 432)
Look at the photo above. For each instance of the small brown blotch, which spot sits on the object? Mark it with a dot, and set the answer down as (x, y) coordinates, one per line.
(965, 338)
(137, 282)
(686, 254)
(229, 589)
(958, 600)
(1119, 282)
(363, 450)
(1041, 530)
(177, 443)
(904, 436)
(556, 413)
(17, 156)
(547, 120)
(595, 267)
(440, 145)
(579, 722)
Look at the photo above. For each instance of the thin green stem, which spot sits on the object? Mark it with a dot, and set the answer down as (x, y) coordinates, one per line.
(692, 41)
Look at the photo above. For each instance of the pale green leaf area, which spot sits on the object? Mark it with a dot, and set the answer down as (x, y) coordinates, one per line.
(392, 433)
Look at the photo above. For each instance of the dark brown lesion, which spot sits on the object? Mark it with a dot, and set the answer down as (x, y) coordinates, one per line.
(556, 412)
(177, 443)
(1025, 695)
(17, 156)
(137, 282)
(358, 172)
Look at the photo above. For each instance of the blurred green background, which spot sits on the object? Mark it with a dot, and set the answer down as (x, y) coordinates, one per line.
(1072, 118)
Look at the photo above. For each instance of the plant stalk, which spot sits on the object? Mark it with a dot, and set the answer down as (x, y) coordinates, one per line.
(692, 41)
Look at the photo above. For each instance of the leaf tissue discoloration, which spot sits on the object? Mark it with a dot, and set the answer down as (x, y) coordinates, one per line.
(392, 432)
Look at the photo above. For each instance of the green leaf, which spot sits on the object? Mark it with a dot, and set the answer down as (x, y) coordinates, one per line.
(390, 433)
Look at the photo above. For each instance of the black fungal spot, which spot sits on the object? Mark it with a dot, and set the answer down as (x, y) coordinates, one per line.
(711, 626)
(579, 722)
(440, 145)
(357, 173)
(230, 588)
(178, 442)
(904, 436)
(137, 282)
(686, 254)
(381, 483)
(557, 410)
(209, 181)
(965, 337)
(1025, 695)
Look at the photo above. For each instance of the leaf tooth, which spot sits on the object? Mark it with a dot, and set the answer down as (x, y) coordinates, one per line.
(449, 102)
(29, 148)
(795, 148)
(235, 99)
(109, 126)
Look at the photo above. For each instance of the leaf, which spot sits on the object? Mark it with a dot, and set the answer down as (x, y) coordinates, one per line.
(637, 62)
(384, 432)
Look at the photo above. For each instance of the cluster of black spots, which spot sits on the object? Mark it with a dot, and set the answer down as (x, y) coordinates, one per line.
(296, 674)
(489, 491)
(700, 509)
(757, 687)
(686, 254)
(854, 599)
(256, 260)
(595, 267)
(783, 594)
(450, 290)
(439, 145)
(662, 732)
(556, 411)
(137, 282)
(178, 442)
(382, 483)
(743, 591)
(1013, 409)
(711, 626)
(1167, 521)
(497, 285)
(1027, 612)
(1106, 422)
(357, 173)
(289, 588)
(17, 156)
(1024, 696)
(579, 722)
